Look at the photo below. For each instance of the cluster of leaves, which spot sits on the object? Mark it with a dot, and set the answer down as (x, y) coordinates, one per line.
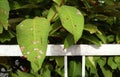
(52, 67)
(103, 21)
(102, 26)
(35, 23)
(102, 66)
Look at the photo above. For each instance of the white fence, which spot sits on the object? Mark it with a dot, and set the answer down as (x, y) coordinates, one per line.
(76, 50)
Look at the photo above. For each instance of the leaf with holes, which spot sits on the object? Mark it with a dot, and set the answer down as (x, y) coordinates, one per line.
(4, 13)
(72, 20)
(32, 35)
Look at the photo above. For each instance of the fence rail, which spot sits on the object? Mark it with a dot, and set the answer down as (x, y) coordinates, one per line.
(75, 50)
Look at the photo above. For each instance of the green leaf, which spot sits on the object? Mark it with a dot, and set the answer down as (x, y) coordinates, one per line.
(91, 28)
(59, 61)
(1, 29)
(106, 73)
(54, 27)
(90, 65)
(13, 75)
(32, 35)
(16, 5)
(91, 59)
(47, 72)
(72, 20)
(60, 71)
(35, 1)
(96, 58)
(110, 38)
(118, 38)
(69, 40)
(117, 61)
(59, 65)
(111, 63)
(4, 13)
(75, 69)
(101, 62)
(6, 36)
(110, 20)
(102, 37)
(109, 2)
(92, 39)
(21, 74)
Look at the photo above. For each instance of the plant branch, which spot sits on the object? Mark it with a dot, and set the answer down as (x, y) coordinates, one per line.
(15, 20)
(56, 11)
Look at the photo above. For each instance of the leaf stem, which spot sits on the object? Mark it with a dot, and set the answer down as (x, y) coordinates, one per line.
(61, 3)
(56, 11)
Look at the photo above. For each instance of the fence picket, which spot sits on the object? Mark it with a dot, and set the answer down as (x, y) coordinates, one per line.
(75, 50)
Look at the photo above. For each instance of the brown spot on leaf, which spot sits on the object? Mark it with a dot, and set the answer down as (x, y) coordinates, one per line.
(25, 56)
(38, 57)
(40, 51)
(22, 48)
(35, 42)
(28, 53)
(35, 49)
(5, 12)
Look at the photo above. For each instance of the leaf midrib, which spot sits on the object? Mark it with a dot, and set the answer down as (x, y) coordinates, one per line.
(34, 31)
